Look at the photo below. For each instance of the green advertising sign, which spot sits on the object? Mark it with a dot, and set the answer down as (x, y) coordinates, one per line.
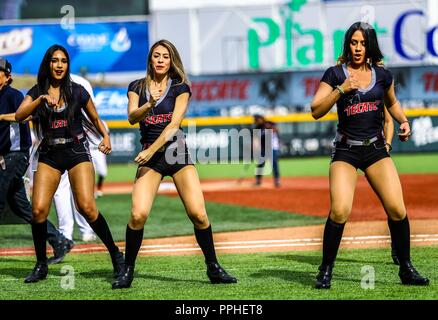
(286, 30)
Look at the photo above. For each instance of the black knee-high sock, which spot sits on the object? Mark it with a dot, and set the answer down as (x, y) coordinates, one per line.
(205, 241)
(332, 238)
(39, 235)
(100, 227)
(400, 234)
(133, 244)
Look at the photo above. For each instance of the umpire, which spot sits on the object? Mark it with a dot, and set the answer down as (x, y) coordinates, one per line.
(15, 142)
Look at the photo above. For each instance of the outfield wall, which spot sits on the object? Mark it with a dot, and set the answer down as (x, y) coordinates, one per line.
(280, 93)
(300, 135)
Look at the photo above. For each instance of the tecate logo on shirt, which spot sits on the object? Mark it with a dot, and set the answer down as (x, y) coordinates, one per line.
(15, 41)
(159, 118)
(361, 108)
(59, 124)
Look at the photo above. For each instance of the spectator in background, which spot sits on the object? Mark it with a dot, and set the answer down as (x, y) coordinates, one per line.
(266, 129)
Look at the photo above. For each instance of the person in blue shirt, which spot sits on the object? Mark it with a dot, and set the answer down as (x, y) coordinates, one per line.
(159, 102)
(56, 105)
(15, 142)
(361, 88)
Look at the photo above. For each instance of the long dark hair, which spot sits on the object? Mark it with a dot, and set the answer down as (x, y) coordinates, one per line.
(372, 52)
(43, 116)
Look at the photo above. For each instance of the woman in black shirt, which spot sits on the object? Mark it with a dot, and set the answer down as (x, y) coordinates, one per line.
(361, 87)
(159, 102)
(56, 104)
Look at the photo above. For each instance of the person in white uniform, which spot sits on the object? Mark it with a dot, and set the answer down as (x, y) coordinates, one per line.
(99, 159)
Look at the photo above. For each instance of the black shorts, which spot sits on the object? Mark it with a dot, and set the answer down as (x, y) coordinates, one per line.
(62, 157)
(168, 162)
(359, 156)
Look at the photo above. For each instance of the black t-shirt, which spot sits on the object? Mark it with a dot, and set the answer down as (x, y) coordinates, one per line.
(360, 111)
(160, 116)
(14, 136)
(58, 126)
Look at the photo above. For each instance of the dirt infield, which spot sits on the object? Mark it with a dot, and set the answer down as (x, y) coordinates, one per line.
(310, 195)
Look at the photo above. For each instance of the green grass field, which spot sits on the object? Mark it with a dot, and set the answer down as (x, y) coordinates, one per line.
(262, 276)
(315, 166)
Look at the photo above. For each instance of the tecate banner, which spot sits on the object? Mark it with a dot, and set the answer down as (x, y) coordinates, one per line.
(93, 46)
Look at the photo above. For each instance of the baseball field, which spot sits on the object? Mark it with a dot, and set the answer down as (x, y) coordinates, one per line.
(269, 238)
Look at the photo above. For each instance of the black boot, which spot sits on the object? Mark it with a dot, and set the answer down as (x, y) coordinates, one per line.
(38, 273)
(118, 264)
(60, 250)
(324, 277)
(125, 279)
(410, 276)
(217, 274)
(331, 240)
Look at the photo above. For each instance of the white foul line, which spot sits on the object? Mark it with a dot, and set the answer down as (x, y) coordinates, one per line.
(248, 244)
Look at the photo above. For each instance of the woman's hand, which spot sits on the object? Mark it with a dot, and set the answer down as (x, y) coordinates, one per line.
(51, 100)
(404, 131)
(105, 145)
(350, 84)
(144, 156)
(388, 147)
(155, 96)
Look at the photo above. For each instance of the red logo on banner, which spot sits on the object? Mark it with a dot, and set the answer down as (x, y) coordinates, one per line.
(311, 85)
(211, 90)
(430, 81)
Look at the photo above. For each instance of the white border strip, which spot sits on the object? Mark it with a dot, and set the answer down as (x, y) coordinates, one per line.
(249, 244)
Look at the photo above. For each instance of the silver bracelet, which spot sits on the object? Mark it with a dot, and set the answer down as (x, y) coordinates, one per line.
(341, 92)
